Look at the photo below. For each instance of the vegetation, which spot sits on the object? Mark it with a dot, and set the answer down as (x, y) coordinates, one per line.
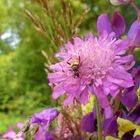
(23, 81)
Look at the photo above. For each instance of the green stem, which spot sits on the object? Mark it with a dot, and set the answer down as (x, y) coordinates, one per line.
(98, 114)
(136, 9)
(117, 101)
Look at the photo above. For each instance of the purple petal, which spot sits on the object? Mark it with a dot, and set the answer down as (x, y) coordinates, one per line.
(68, 100)
(84, 96)
(77, 41)
(118, 24)
(103, 24)
(56, 77)
(89, 36)
(134, 116)
(129, 98)
(128, 135)
(57, 66)
(40, 134)
(110, 125)
(121, 46)
(72, 86)
(120, 74)
(128, 67)
(89, 122)
(134, 34)
(136, 138)
(45, 116)
(120, 82)
(125, 59)
(57, 91)
(101, 97)
(108, 112)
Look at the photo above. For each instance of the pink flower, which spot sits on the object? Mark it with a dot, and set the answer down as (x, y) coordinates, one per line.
(10, 133)
(92, 65)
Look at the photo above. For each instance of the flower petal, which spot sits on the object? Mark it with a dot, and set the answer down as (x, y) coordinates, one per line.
(68, 100)
(134, 34)
(84, 96)
(110, 125)
(128, 135)
(118, 24)
(89, 122)
(129, 98)
(101, 97)
(56, 77)
(134, 116)
(136, 138)
(103, 24)
(57, 91)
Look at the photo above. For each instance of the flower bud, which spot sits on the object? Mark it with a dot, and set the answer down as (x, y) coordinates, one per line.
(34, 129)
(119, 2)
(26, 126)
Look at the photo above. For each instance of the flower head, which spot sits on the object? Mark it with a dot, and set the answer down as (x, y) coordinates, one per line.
(92, 64)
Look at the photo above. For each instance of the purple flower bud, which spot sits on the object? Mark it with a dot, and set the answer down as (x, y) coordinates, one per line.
(118, 24)
(134, 34)
(45, 117)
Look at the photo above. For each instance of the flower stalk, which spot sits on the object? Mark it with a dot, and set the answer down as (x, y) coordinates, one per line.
(136, 9)
(98, 114)
(117, 101)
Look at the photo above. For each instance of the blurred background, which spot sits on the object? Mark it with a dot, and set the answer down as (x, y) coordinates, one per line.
(28, 27)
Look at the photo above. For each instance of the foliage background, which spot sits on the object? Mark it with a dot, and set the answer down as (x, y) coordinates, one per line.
(23, 82)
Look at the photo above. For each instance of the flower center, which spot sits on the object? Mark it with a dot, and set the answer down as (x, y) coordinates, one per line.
(101, 60)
